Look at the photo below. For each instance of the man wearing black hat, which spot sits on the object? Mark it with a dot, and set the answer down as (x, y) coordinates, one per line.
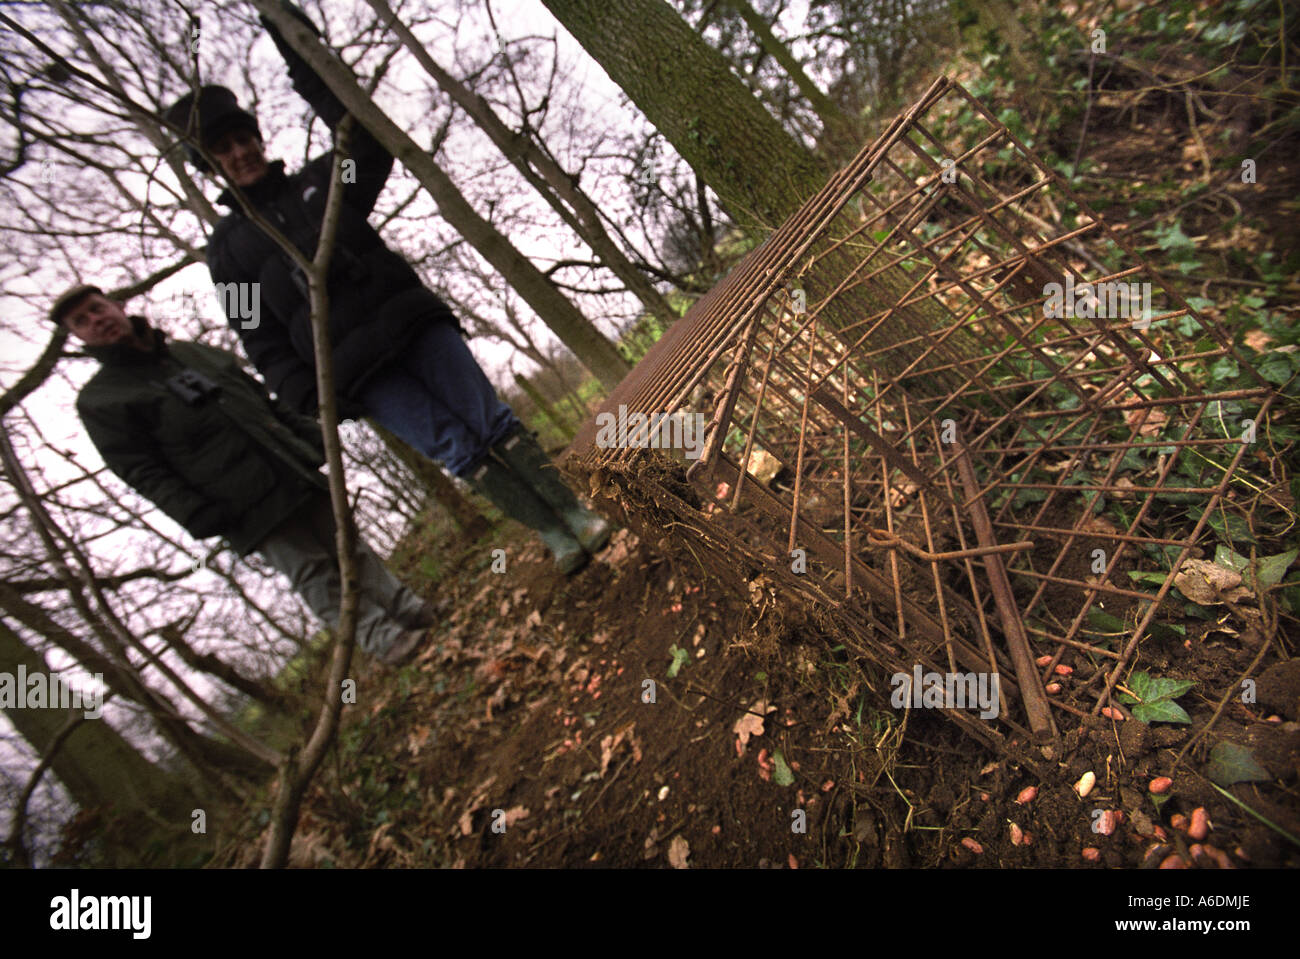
(398, 354)
(189, 430)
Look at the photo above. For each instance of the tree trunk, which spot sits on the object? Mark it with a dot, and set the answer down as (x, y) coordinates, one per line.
(204, 753)
(544, 407)
(577, 332)
(100, 769)
(687, 90)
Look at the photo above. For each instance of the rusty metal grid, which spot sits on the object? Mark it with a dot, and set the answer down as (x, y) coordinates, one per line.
(973, 474)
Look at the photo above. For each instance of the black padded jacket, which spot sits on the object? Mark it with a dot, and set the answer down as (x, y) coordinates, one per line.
(377, 302)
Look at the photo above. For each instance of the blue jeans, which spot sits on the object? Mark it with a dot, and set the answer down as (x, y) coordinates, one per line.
(436, 397)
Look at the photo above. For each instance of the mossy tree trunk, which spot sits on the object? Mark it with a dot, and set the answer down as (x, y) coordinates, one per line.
(687, 90)
(142, 802)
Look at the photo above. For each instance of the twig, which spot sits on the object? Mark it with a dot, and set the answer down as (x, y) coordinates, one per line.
(1273, 826)
(1087, 112)
(1224, 701)
(15, 840)
(1196, 135)
(297, 772)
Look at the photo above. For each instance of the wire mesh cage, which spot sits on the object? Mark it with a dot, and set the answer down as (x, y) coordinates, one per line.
(960, 433)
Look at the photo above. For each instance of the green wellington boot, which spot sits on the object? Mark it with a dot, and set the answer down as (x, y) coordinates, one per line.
(530, 462)
(514, 497)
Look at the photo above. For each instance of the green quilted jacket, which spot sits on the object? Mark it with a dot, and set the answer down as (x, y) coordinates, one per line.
(189, 430)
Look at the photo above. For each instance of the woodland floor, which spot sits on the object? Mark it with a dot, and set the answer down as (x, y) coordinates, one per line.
(526, 707)
(527, 711)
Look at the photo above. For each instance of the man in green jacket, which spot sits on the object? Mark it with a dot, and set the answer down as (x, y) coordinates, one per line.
(187, 428)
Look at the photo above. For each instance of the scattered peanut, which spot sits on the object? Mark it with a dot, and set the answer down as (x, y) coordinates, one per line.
(972, 845)
(1085, 783)
(1042, 660)
(1105, 824)
(1178, 821)
(1017, 835)
(1027, 795)
(1052, 688)
(1092, 854)
(1160, 785)
(1063, 670)
(1200, 827)
(1110, 712)
(1174, 862)
(1219, 856)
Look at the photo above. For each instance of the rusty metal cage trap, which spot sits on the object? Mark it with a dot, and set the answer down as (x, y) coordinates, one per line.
(986, 428)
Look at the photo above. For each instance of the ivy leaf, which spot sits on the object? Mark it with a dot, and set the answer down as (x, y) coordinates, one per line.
(1231, 559)
(1165, 688)
(1172, 237)
(1150, 689)
(1225, 369)
(1161, 711)
(1142, 576)
(1276, 369)
(1268, 570)
(1153, 698)
(781, 774)
(1230, 763)
(1234, 529)
(1271, 569)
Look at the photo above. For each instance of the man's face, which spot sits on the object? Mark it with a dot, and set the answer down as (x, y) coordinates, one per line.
(240, 154)
(98, 321)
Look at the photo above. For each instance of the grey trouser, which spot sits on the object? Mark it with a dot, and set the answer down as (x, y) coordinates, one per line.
(303, 549)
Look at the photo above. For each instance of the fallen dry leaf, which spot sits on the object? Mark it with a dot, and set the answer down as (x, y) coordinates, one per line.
(763, 466)
(1148, 421)
(1098, 524)
(678, 852)
(609, 745)
(476, 802)
(900, 490)
(620, 547)
(417, 738)
(1257, 340)
(751, 724)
